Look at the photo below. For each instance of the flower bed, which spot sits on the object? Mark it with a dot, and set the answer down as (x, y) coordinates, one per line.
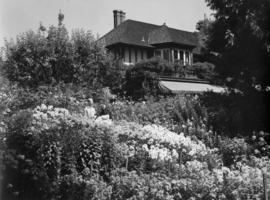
(75, 154)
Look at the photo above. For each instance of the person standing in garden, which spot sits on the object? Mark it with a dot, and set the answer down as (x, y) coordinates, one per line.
(89, 110)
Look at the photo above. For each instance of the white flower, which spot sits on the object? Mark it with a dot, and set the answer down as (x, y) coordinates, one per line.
(43, 107)
(145, 147)
(100, 121)
(105, 117)
(90, 112)
(192, 152)
(218, 174)
(174, 154)
(150, 141)
(90, 101)
(195, 165)
(225, 170)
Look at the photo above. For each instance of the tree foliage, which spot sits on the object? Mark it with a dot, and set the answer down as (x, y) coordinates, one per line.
(204, 27)
(240, 35)
(142, 79)
(50, 56)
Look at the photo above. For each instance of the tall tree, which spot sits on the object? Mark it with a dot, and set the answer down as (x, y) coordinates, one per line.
(241, 36)
(50, 56)
(204, 27)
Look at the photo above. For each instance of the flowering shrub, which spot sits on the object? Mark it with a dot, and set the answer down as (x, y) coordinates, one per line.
(233, 150)
(75, 186)
(130, 185)
(159, 142)
(168, 112)
(259, 143)
(56, 143)
(77, 154)
(195, 182)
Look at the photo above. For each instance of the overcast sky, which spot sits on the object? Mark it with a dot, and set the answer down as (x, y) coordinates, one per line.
(17, 16)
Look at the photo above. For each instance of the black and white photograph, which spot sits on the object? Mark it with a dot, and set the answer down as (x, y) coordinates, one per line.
(134, 100)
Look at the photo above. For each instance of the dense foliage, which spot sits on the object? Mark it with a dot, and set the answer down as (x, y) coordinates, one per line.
(53, 56)
(142, 79)
(236, 113)
(240, 36)
(236, 40)
(63, 137)
(61, 146)
(169, 112)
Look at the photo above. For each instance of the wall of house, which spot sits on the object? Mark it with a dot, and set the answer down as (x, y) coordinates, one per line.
(183, 55)
(133, 54)
(126, 55)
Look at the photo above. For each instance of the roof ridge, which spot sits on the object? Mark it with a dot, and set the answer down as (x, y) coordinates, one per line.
(180, 30)
(159, 25)
(142, 22)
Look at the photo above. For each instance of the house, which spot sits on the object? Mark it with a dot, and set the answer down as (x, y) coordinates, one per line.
(133, 41)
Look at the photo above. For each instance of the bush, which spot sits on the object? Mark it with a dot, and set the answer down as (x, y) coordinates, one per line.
(141, 80)
(150, 150)
(205, 71)
(49, 57)
(233, 150)
(46, 144)
(232, 113)
(260, 143)
(75, 187)
(171, 112)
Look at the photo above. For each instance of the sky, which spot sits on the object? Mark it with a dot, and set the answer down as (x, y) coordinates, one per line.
(18, 16)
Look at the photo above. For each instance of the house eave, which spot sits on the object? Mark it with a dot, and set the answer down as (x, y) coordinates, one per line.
(124, 44)
(190, 46)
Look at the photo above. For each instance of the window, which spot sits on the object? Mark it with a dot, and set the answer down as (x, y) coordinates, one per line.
(142, 54)
(158, 53)
(181, 55)
(126, 54)
(166, 54)
(123, 53)
(175, 54)
(118, 53)
(129, 55)
(187, 57)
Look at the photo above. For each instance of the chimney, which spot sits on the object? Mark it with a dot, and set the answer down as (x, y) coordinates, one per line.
(118, 17)
(122, 16)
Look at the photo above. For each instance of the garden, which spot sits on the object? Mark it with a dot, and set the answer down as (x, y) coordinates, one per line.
(76, 124)
(59, 144)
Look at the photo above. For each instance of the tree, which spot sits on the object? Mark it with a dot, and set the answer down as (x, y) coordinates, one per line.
(240, 37)
(50, 56)
(240, 34)
(204, 27)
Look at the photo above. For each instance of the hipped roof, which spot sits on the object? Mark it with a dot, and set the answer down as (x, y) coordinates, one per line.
(148, 35)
